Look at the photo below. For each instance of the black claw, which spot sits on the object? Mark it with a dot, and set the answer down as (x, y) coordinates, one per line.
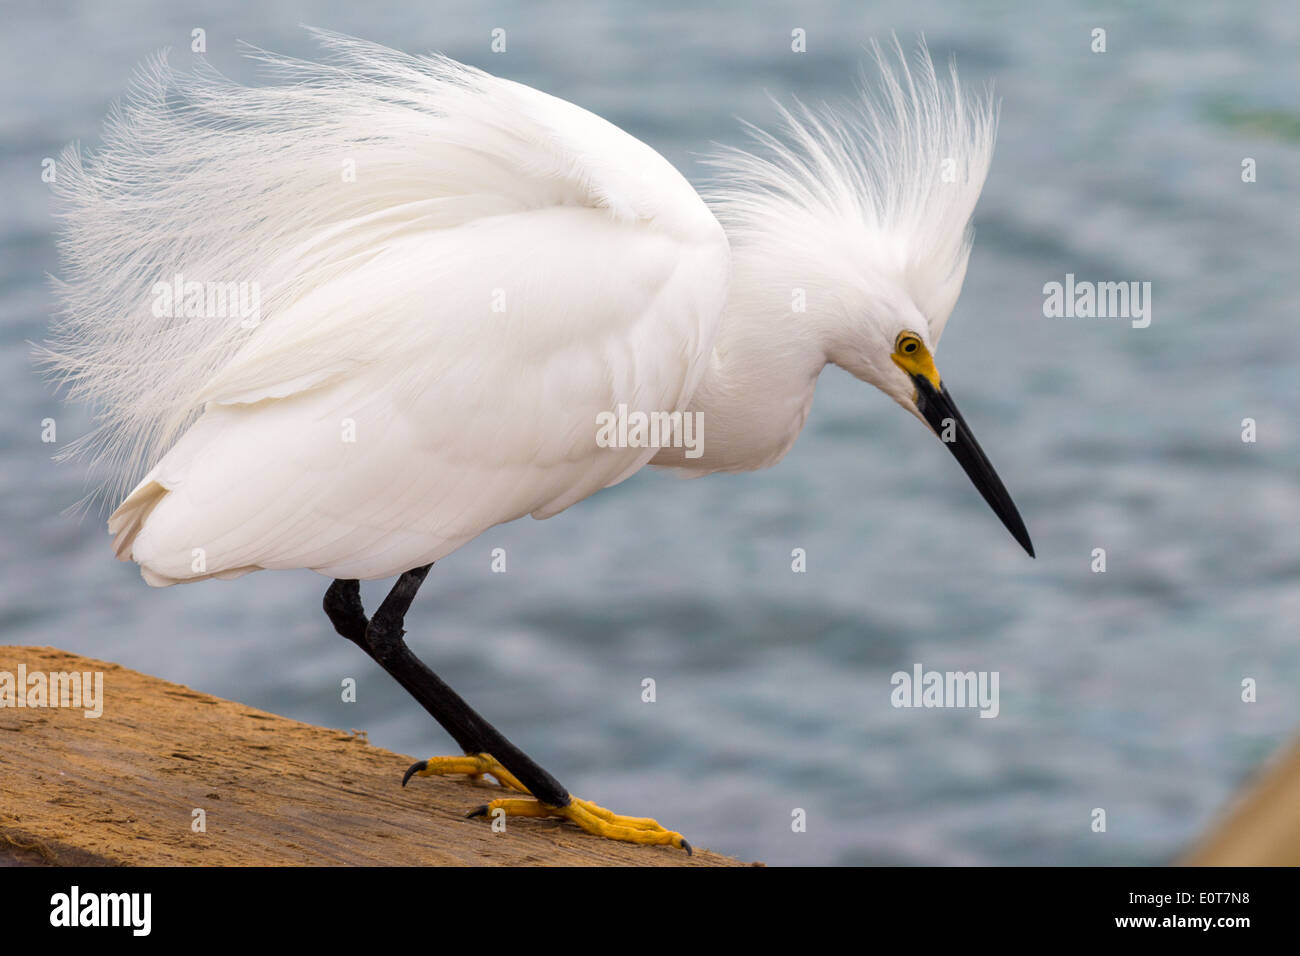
(687, 847)
(413, 769)
(479, 811)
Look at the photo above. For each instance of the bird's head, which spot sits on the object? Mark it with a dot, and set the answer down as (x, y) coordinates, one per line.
(864, 214)
(888, 342)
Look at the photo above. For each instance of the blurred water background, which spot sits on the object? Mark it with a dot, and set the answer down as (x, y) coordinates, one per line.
(1119, 690)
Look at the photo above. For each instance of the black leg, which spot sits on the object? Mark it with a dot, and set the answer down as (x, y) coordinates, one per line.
(381, 638)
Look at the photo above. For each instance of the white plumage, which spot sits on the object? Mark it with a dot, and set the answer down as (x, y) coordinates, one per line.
(461, 273)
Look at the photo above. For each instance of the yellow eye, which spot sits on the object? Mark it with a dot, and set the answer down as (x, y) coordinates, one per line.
(911, 355)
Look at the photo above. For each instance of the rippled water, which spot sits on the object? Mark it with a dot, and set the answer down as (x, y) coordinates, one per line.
(1118, 690)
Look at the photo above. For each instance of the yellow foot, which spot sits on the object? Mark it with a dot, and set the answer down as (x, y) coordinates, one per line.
(587, 815)
(595, 820)
(475, 766)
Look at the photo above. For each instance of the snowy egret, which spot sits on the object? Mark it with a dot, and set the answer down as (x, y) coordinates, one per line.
(351, 321)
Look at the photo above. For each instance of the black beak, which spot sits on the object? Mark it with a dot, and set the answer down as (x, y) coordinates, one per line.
(938, 409)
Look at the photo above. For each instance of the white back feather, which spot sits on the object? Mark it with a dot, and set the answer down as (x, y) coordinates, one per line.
(223, 183)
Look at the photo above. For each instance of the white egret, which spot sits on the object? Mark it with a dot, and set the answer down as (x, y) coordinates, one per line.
(351, 321)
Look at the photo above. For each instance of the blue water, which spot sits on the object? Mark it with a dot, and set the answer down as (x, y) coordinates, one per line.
(1118, 690)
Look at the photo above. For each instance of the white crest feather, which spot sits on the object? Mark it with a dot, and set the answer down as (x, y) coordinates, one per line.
(885, 187)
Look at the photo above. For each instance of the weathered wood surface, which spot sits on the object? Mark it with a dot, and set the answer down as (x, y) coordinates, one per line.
(121, 789)
(1262, 825)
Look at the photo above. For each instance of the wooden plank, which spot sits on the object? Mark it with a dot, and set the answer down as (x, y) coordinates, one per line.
(1262, 826)
(121, 789)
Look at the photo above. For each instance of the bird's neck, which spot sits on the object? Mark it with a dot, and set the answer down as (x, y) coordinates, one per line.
(758, 388)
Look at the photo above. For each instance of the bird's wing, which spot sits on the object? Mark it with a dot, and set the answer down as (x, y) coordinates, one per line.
(454, 270)
(454, 417)
(206, 194)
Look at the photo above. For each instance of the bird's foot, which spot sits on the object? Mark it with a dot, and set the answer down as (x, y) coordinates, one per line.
(594, 819)
(475, 766)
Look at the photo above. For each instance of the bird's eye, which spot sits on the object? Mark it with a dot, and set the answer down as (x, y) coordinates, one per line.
(908, 344)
